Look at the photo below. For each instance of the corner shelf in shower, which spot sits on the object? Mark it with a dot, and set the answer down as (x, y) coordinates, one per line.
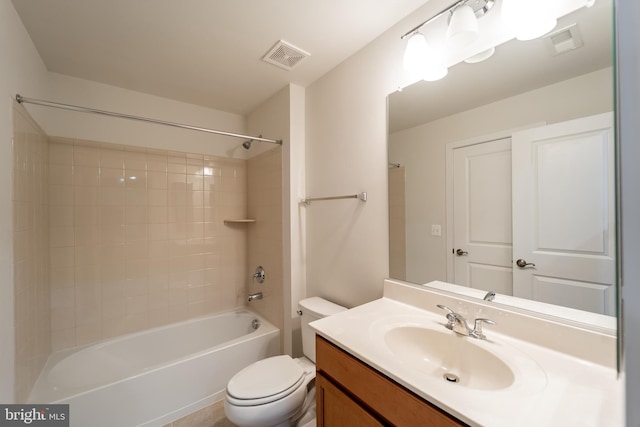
(239, 221)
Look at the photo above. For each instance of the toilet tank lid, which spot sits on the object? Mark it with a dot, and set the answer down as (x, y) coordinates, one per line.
(320, 306)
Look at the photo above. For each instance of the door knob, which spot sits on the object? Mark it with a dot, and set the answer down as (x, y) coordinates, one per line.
(522, 263)
(460, 252)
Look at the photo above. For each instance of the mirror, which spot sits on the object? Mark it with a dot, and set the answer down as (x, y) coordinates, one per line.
(525, 85)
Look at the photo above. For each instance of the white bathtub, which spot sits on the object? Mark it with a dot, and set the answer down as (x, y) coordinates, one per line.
(153, 377)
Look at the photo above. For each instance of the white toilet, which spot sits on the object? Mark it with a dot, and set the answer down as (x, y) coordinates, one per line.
(276, 391)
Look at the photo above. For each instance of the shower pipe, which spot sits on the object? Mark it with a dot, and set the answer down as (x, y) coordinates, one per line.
(22, 100)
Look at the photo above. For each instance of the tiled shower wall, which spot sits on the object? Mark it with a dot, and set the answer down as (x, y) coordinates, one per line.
(137, 238)
(30, 251)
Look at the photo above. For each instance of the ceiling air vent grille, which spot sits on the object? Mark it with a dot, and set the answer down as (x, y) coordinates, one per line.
(564, 40)
(285, 55)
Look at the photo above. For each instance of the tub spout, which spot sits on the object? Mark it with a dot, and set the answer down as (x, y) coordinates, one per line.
(257, 295)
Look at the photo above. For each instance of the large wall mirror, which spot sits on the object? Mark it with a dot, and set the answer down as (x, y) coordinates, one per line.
(502, 174)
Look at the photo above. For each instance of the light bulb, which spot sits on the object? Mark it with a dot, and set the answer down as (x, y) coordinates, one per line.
(415, 54)
(463, 27)
(421, 61)
(527, 19)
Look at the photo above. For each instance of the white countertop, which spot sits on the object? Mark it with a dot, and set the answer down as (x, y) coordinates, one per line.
(551, 388)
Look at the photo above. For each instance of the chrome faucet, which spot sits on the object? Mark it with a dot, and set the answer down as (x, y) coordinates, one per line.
(490, 296)
(252, 297)
(458, 324)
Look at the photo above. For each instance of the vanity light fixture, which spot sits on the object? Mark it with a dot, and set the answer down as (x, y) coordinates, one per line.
(524, 19)
(425, 61)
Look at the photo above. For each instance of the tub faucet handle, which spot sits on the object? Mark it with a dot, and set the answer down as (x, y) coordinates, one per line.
(259, 275)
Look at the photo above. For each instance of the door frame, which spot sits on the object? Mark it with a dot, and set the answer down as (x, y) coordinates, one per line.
(449, 149)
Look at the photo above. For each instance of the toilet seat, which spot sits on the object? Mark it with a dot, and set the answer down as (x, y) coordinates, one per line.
(265, 381)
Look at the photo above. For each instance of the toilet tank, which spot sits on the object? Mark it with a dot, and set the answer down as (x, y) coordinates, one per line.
(314, 308)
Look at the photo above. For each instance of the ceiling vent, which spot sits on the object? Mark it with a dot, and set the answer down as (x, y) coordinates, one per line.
(285, 55)
(564, 40)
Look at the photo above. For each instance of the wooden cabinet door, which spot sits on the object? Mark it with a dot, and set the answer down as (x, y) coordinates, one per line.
(336, 409)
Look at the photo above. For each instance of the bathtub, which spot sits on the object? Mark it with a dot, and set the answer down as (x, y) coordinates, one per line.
(153, 377)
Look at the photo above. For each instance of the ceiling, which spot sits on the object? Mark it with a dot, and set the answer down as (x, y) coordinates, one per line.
(516, 67)
(204, 52)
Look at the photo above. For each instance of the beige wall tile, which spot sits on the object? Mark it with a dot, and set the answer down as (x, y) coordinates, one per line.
(111, 177)
(60, 154)
(157, 162)
(86, 176)
(145, 251)
(61, 174)
(86, 215)
(86, 155)
(135, 179)
(111, 158)
(157, 214)
(60, 195)
(112, 215)
(61, 277)
(113, 327)
(157, 232)
(156, 197)
(157, 180)
(113, 197)
(134, 160)
(63, 338)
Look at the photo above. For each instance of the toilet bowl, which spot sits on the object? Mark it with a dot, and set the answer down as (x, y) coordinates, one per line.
(278, 391)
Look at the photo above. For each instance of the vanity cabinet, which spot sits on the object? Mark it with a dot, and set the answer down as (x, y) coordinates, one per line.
(351, 393)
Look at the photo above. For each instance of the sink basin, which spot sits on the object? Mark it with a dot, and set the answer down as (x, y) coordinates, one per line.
(453, 358)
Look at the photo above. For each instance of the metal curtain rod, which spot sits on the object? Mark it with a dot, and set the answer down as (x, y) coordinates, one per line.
(361, 196)
(22, 100)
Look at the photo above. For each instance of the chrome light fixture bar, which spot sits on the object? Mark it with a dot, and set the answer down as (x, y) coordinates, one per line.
(480, 7)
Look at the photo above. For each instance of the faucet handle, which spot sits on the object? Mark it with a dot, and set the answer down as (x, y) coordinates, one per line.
(451, 316)
(477, 328)
(444, 307)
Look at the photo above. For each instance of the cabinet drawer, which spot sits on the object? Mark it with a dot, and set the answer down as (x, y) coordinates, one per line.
(386, 398)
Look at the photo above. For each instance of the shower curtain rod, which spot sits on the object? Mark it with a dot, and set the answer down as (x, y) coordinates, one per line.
(22, 100)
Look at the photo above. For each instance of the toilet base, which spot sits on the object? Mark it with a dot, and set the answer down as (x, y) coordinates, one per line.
(307, 417)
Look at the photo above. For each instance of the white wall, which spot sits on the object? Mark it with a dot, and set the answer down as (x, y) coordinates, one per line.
(21, 70)
(347, 249)
(346, 153)
(421, 150)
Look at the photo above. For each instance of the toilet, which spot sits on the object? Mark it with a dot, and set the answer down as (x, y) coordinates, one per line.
(276, 391)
